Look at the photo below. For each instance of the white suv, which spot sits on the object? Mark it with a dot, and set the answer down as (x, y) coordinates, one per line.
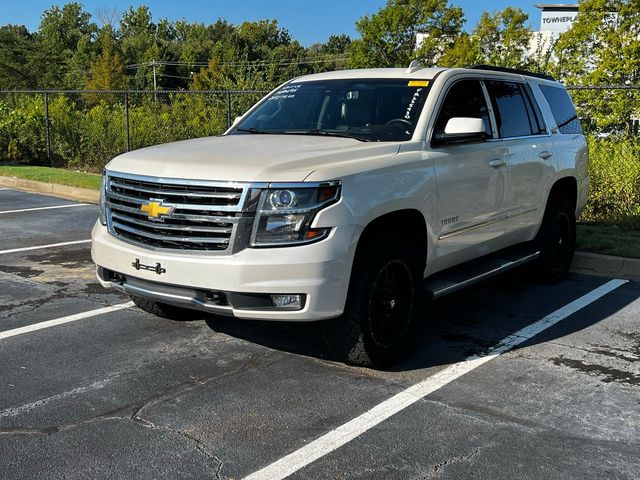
(353, 195)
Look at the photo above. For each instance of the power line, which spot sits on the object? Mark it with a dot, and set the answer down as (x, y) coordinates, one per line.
(284, 62)
(174, 76)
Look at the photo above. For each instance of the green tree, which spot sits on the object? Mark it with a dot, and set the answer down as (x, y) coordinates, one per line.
(107, 72)
(388, 37)
(254, 55)
(500, 39)
(138, 44)
(337, 44)
(79, 66)
(332, 55)
(17, 66)
(603, 48)
(503, 37)
(61, 30)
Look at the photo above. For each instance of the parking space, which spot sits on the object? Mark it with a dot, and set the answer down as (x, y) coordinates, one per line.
(30, 219)
(123, 394)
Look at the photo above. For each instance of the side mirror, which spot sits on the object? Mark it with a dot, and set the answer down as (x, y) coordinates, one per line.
(235, 121)
(460, 130)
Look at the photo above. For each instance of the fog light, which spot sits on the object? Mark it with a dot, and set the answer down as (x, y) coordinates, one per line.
(288, 301)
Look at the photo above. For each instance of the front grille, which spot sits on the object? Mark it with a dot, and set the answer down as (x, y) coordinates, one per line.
(205, 216)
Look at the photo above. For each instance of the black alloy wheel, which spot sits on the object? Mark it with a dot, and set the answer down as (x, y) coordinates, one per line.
(383, 306)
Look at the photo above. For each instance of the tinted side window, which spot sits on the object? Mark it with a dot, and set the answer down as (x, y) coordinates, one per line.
(510, 109)
(464, 99)
(562, 108)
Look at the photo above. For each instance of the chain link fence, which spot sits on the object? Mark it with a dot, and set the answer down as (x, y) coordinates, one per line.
(83, 129)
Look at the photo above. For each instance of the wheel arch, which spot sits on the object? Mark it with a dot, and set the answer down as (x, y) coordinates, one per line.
(565, 187)
(408, 225)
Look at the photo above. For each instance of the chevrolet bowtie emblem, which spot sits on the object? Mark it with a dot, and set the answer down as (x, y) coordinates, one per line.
(156, 210)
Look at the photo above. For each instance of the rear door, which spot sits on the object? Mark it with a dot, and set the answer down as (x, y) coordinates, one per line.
(471, 180)
(523, 133)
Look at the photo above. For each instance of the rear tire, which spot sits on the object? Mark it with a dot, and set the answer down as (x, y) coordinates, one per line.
(383, 305)
(162, 310)
(556, 241)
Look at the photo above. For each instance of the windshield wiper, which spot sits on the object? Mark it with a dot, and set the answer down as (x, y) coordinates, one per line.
(259, 132)
(327, 133)
(314, 131)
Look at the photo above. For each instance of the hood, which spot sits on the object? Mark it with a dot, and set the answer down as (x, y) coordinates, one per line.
(247, 158)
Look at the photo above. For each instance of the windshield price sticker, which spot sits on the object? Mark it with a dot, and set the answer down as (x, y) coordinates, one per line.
(418, 83)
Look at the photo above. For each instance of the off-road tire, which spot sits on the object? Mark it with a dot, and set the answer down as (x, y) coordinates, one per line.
(556, 241)
(162, 310)
(358, 336)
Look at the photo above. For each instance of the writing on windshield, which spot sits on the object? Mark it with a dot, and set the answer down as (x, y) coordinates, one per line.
(364, 109)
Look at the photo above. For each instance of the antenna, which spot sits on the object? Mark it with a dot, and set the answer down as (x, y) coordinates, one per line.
(414, 65)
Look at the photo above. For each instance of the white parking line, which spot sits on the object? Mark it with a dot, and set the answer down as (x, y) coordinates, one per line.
(1, 189)
(45, 208)
(38, 247)
(63, 320)
(340, 436)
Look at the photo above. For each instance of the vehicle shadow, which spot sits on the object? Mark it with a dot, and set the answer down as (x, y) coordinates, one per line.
(462, 324)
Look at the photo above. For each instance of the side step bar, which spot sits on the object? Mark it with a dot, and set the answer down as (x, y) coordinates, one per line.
(459, 277)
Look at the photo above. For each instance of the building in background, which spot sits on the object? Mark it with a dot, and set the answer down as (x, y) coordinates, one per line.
(554, 19)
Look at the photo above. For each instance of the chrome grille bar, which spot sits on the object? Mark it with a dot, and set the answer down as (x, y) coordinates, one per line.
(180, 216)
(179, 206)
(177, 228)
(216, 240)
(195, 193)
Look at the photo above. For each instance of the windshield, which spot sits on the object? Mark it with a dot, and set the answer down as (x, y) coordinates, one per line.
(367, 110)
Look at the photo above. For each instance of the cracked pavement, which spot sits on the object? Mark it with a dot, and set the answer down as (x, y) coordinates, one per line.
(126, 395)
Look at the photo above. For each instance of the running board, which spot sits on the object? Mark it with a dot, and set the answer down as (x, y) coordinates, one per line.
(461, 276)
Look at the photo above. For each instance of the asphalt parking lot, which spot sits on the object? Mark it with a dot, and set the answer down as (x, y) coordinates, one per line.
(91, 387)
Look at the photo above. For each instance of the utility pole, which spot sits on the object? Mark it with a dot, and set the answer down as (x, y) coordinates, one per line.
(155, 85)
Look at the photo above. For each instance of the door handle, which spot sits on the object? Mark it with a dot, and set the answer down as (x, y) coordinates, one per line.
(546, 155)
(497, 162)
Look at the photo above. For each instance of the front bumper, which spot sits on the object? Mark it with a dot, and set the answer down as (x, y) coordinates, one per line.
(319, 271)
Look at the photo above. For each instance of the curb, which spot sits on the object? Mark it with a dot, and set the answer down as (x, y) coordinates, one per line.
(606, 266)
(85, 195)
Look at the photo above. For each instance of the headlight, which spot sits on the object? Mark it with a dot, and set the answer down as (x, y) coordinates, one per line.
(103, 200)
(285, 215)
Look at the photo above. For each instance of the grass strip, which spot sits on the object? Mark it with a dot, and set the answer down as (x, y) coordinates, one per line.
(59, 176)
(608, 240)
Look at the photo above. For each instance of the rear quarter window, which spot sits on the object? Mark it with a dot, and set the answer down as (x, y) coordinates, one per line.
(515, 116)
(562, 108)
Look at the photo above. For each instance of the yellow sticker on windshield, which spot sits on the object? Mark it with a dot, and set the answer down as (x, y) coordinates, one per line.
(418, 83)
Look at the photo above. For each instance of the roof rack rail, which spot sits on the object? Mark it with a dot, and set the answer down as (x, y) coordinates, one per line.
(512, 70)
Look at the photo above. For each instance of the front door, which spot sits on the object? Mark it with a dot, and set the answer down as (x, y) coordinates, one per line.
(472, 182)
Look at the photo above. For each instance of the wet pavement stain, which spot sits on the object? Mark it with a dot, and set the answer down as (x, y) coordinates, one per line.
(22, 271)
(604, 374)
(68, 258)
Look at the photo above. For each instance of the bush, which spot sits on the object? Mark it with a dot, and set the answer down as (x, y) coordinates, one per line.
(88, 130)
(22, 129)
(614, 170)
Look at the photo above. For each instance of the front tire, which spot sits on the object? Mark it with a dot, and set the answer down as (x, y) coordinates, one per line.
(557, 241)
(383, 306)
